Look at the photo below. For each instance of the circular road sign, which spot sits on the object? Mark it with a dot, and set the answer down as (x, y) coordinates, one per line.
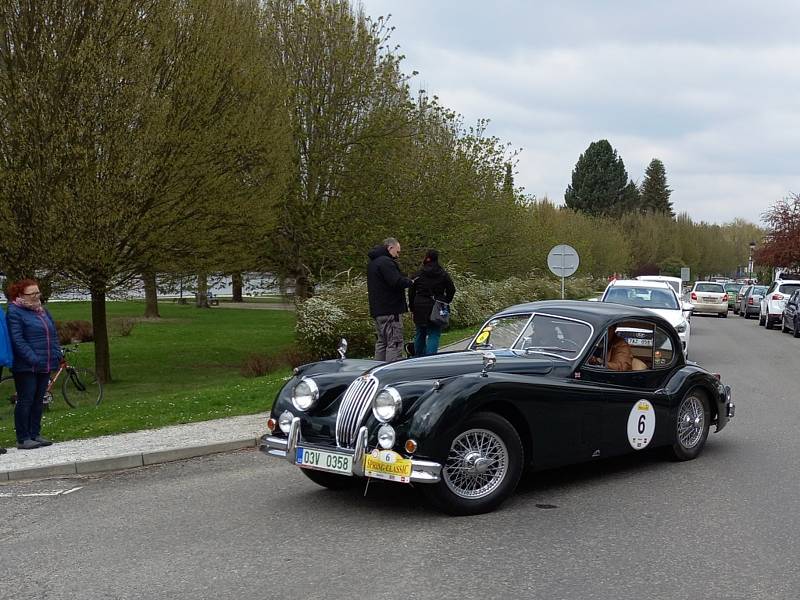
(563, 260)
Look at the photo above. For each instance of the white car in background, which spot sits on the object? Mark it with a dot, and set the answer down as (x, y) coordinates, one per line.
(774, 301)
(657, 296)
(709, 297)
(675, 283)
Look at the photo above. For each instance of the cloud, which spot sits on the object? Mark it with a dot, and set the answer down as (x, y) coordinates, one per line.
(709, 92)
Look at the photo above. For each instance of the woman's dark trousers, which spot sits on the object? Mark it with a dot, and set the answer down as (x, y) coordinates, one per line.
(31, 388)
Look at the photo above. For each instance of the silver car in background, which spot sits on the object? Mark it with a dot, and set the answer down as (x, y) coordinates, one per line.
(750, 300)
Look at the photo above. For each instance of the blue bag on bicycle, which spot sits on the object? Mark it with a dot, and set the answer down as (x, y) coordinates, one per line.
(6, 353)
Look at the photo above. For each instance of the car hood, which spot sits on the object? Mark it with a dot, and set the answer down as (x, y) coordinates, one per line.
(451, 364)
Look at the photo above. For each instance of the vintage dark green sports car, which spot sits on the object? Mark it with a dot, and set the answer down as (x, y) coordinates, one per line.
(536, 387)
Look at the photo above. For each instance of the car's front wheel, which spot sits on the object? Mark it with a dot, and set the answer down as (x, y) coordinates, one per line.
(331, 480)
(482, 468)
(784, 328)
(691, 426)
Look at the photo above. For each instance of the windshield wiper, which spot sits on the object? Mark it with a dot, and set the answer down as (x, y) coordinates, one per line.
(530, 349)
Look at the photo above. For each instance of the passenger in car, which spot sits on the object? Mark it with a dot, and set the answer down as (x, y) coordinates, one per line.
(620, 355)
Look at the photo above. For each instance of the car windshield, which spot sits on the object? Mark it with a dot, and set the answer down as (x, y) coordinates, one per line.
(715, 288)
(547, 334)
(500, 332)
(543, 334)
(642, 297)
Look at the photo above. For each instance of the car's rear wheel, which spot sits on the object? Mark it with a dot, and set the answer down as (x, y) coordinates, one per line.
(761, 319)
(723, 315)
(767, 322)
(482, 468)
(331, 480)
(746, 314)
(691, 426)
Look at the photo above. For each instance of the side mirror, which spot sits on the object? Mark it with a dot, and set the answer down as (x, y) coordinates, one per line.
(342, 349)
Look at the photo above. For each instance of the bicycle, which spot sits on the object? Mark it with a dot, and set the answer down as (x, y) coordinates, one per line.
(80, 387)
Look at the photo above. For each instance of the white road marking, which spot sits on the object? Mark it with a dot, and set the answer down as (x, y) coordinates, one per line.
(39, 494)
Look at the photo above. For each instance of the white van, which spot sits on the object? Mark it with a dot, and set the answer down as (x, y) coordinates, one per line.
(674, 282)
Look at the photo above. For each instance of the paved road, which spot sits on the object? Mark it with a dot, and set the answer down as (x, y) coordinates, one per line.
(725, 526)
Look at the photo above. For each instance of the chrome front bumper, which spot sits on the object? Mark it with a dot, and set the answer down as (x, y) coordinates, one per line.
(422, 471)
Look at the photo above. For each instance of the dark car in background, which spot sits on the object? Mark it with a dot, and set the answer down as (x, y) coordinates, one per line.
(733, 290)
(533, 389)
(750, 300)
(790, 321)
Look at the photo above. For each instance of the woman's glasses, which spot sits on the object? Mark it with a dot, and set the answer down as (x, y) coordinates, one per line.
(32, 294)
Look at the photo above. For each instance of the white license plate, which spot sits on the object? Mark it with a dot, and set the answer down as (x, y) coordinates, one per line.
(639, 342)
(710, 300)
(334, 462)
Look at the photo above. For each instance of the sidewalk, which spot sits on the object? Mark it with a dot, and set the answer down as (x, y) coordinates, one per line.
(127, 450)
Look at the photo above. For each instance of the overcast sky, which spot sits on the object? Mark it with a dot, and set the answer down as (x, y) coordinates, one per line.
(710, 88)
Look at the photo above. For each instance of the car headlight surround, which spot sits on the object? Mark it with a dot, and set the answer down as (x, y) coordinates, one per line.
(386, 405)
(285, 421)
(681, 328)
(386, 436)
(305, 394)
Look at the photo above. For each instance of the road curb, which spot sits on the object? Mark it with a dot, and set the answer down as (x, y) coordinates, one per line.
(126, 461)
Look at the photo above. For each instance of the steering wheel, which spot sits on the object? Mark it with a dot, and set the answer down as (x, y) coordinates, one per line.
(567, 343)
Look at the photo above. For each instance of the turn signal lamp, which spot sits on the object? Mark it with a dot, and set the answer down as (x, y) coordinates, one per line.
(411, 446)
(271, 424)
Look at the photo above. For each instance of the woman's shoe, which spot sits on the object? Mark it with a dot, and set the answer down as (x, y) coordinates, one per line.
(28, 445)
(43, 441)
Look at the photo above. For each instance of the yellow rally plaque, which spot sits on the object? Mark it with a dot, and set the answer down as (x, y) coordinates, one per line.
(387, 464)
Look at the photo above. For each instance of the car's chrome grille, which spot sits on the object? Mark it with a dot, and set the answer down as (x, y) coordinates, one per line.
(355, 404)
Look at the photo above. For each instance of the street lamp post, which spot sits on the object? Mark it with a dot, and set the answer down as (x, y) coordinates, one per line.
(750, 261)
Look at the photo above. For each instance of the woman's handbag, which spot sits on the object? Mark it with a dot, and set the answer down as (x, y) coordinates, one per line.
(440, 313)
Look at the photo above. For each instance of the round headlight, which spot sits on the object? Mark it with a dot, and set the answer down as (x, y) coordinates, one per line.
(386, 436)
(285, 421)
(681, 328)
(386, 404)
(305, 394)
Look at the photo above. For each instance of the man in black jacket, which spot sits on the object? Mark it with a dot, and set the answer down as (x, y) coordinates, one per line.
(387, 299)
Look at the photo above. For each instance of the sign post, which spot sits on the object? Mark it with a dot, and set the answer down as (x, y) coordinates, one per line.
(563, 261)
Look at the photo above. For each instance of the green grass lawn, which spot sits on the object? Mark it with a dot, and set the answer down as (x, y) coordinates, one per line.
(181, 368)
(184, 367)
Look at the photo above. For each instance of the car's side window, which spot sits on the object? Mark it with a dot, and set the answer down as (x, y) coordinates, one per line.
(626, 346)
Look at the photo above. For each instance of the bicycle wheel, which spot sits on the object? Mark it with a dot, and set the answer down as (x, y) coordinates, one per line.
(81, 387)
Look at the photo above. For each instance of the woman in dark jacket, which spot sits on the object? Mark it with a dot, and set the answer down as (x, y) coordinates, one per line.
(36, 352)
(431, 283)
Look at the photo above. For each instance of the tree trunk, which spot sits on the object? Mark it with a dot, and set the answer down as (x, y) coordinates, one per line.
(102, 357)
(237, 284)
(303, 290)
(202, 290)
(150, 296)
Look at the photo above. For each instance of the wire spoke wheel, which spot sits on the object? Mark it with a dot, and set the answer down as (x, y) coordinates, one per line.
(81, 387)
(477, 464)
(691, 422)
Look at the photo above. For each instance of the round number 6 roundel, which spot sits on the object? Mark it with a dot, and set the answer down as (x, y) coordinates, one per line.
(641, 424)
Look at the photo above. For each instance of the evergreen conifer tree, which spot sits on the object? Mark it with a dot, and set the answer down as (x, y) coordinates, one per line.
(600, 184)
(655, 191)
